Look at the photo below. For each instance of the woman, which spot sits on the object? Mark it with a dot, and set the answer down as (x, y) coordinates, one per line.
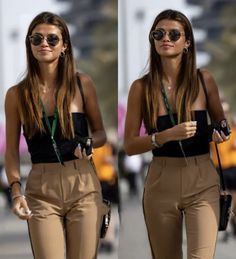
(181, 180)
(62, 201)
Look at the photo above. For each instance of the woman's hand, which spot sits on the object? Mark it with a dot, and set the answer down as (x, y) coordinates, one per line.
(81, 153)
(184, 130)
(21, 209)
(219, 137)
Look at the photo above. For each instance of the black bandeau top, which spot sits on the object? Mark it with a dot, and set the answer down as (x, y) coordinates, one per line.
(196, 145)
(40, 145)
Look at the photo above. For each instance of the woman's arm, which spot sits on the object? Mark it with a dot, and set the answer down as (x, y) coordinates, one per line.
(215, 108)
(135, 144)
(93, 112)
(12, 160)
(13, 128)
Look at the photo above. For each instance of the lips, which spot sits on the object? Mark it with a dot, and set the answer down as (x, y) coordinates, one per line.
(166, 46)
(44, 50)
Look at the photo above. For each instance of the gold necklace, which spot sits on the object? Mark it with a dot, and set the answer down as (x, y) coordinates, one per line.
(46, 89)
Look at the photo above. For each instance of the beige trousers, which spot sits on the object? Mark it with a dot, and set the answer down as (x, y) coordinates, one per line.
(67, 207)
(175, 192)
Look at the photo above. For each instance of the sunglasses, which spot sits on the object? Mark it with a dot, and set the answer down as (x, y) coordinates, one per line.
(173, 34)
(37, 39)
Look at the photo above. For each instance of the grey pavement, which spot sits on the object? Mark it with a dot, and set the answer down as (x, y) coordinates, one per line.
(133, 235)
(14, 241)
(133, 241)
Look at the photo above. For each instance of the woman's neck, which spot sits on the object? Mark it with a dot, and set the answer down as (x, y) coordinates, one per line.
(170, 71)
(48, 75)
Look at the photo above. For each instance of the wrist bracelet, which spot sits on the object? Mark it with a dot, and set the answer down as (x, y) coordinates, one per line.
(17, 196)
(14, 182)
(154, 142)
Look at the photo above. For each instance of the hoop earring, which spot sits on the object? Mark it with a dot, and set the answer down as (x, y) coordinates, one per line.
(62, 55)
(185, 50)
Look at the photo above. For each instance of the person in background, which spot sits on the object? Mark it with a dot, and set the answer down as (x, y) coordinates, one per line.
(133, 166)
(105, 162)
(4, 187)
(172, 98)
(55, 106)
(227, 153)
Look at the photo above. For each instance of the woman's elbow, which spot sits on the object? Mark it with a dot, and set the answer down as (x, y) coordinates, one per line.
(128, 149)
(104, 139)
(99, 138)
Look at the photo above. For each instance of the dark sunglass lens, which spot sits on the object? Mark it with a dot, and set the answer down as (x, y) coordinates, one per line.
(157, 34)
(52, 39)
(36, 39)
(174, 35)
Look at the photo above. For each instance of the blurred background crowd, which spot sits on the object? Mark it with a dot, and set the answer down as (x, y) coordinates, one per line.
(110, 40)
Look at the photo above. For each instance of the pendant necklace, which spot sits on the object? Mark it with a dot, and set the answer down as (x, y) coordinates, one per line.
(46, 89)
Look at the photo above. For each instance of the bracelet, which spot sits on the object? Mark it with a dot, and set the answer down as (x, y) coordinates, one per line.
(17, 196)
(14, 182)
(154, 142)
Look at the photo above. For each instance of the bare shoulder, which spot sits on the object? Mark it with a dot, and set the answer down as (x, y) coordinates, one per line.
(136, 88)
(12, 95)
(12, 107)
(209, 81)
(87, 83)
(86, 80)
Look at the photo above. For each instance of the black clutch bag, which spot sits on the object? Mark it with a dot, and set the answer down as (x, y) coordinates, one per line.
(106, 219)
(225, 210)
(225, 199)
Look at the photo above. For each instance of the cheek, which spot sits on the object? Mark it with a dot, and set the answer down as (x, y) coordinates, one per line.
(34, 52)
(157, 47)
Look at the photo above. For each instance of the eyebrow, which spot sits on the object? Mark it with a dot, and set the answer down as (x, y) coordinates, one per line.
(160, 28)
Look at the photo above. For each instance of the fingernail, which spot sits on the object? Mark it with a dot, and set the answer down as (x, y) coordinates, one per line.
(27, 211)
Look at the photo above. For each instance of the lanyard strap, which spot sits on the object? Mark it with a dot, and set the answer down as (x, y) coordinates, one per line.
(168, 107)
(169, 110)
(52, 130)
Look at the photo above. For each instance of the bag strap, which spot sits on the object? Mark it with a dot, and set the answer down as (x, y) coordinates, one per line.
(222, 181)
(81, 89)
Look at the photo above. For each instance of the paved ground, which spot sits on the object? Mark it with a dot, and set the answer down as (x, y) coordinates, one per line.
(133, 236)
(14, 243)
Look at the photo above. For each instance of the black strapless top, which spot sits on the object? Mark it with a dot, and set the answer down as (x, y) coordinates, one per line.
(40, 145)
(196, 145)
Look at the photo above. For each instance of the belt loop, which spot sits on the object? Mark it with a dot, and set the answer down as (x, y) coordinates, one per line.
(42, 168)
(196, 160)
(75, 164)
(163, 161)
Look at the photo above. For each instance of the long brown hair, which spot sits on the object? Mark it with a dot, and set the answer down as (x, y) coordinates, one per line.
(66, 81)
(187, 85)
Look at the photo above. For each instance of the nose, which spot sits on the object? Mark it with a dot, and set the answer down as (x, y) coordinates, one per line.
(166, 36)
(44, 41)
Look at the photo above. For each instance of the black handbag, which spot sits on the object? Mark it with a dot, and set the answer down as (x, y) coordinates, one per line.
(225, 198)
(106, 219)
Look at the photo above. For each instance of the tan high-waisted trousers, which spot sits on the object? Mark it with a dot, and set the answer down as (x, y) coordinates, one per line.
(67, 207)
(173, 191)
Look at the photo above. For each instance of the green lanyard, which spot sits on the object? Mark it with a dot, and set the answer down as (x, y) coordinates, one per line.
(52, 130)
(169, 110)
